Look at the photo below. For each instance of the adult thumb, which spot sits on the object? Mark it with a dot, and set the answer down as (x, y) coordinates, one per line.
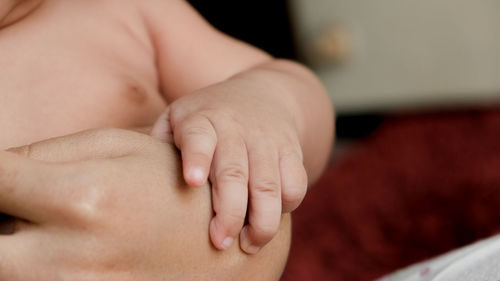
(86, 145)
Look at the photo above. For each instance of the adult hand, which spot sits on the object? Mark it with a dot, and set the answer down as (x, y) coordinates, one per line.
(110, 204)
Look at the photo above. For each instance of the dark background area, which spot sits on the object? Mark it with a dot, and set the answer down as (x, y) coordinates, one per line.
(264, 24)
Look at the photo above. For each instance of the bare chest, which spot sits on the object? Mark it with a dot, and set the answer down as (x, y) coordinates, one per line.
(56, 80)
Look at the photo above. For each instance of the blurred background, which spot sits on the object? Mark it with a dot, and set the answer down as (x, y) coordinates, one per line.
(416, 85)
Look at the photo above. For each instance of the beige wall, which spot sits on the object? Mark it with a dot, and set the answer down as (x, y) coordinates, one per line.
(393, 54)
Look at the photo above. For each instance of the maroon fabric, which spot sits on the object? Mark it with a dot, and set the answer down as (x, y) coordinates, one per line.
(419, 186)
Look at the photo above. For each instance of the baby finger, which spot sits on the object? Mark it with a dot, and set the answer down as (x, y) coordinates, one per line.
(229, 191)
(196, 138)
(293, 180)
(265, 199)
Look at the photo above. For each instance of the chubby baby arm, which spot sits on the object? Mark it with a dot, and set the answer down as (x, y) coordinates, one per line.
(99, 205)
(251, 124)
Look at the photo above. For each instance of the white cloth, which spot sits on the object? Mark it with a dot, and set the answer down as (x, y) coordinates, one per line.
(477, 262)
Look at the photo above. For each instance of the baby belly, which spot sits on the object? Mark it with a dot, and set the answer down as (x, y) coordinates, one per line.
(27, 120)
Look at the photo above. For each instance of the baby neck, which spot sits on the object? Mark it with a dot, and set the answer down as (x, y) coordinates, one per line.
(12, 11)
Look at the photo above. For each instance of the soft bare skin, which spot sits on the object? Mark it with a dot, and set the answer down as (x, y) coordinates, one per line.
(140, 55)
(74, 65)
(254, 134)
(136, 238)
(98, 205)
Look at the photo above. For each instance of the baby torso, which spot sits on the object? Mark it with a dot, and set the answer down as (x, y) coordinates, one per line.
(73, 65)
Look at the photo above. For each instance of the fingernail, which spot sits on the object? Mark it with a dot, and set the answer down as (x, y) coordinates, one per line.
(196, 174)
(252, 250)
(227, 243)
(245, 243)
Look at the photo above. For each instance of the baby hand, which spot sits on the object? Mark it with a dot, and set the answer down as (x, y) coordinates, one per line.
(248, 145)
